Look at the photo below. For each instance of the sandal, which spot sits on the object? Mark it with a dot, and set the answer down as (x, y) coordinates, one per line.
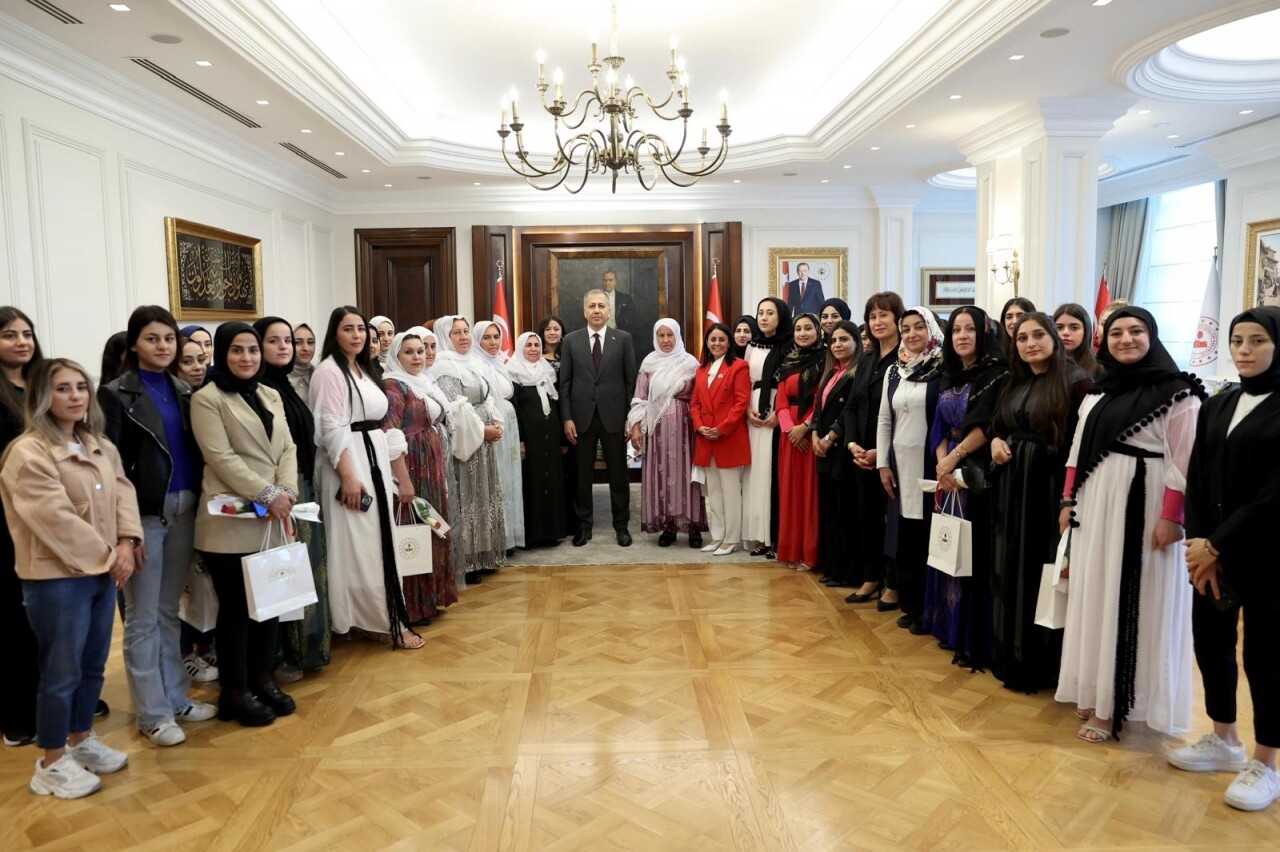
(1083, 714)
(411, 641)
(1094, 734)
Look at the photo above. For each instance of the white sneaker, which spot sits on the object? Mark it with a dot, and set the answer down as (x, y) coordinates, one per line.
(1210, 753)
(196, 711)
(199, 669)
(166, 734)
(710, 547)
(65, 779)
(1254, 789)
(98, 757)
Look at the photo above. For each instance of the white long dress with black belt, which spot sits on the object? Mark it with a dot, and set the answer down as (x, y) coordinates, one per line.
(357, 590)
(1163, 680)
(757, 485)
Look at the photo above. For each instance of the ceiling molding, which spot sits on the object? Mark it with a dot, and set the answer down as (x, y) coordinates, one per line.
(31, 58)
(271, 41)
(1088, 117)
(1006, 135)
(1145, 181)
(1247, 146)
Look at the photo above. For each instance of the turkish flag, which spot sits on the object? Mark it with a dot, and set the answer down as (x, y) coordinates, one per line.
(714, 309)
(1104, 299)
(502, 317)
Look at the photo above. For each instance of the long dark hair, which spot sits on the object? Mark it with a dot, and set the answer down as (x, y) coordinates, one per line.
(1083, 356)
(1049, 403)
(113, 357)
(542, 333)
(707, 357)
(1028, 307)
(140, 319)
(10, 404)
(852, 328)
(331, 349)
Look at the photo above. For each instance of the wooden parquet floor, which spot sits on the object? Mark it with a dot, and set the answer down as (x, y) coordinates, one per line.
(679, 707)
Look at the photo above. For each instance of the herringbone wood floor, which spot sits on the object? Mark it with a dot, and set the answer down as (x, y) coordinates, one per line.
(734, 707)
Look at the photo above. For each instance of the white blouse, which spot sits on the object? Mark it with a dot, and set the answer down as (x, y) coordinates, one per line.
(905, 427)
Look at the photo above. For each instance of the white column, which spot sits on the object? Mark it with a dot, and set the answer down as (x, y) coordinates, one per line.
(894, 242)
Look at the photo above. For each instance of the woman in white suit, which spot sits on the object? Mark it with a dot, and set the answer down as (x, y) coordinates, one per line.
(242, 432)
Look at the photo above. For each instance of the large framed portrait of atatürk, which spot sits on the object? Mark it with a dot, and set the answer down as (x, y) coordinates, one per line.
(213, 274)
(633, 279)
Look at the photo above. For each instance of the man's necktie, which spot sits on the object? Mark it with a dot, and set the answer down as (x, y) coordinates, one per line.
(595, 350)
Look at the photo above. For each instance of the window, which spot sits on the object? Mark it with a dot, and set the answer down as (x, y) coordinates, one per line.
(1178, 255)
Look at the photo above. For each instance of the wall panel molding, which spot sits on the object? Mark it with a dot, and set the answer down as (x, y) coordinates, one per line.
(7, 197)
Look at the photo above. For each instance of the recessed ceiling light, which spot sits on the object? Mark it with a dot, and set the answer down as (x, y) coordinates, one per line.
(789, 174)
(364, 171)
(203, 63)
(911, 127)
(1245, 112)
(848, 167)
(956, 97)
(1144, 112)
(873, 148)
(264, 103)
(165, 38)
(825, 180)
(1101, 2)
(1172, 136)
(339, 153)
(117, 7)
(424, 177)
(306, 130)
(735, 180)
(1056, 32)
(1016, 57)
(476, 183)
(387, 185)
(1161, 124)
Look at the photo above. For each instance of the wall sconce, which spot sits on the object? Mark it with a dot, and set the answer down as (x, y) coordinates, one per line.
(1011, 273)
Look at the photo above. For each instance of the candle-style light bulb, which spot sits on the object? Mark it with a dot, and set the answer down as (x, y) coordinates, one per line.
(675, 42)
(724, 105)
(506, 106)
(515, 104)
(594, 49)
(542, 59)
(704, 137)
(558, 77)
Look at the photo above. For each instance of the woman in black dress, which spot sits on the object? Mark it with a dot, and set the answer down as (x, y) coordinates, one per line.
(1034, 422)
(540, 433)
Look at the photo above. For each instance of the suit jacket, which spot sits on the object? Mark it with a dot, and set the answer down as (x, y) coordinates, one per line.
(624, 312)
(813, 297)
(830, 418)
(584, 391)
(722, 406)
(239, 459)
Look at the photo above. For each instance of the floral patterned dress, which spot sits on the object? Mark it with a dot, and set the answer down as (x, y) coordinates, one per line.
(672, 503)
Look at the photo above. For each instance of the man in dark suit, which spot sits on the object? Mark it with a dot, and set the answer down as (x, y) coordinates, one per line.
(597, 379)
(622, 310)
(804, 294)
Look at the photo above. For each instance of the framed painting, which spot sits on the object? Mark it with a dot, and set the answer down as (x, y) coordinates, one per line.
(804, 278)
(213, 274)
(634, 278)
(1261, 275)
(942, 290)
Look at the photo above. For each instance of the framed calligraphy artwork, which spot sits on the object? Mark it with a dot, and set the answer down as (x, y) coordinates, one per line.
(213, 274)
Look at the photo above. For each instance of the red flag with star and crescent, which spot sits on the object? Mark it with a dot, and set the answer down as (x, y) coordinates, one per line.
(502, 317)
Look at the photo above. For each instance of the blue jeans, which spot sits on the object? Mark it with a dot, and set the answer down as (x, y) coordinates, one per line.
(72, 620)
(152, 655)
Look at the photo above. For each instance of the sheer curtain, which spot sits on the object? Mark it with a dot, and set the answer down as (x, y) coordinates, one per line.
(1124, 254)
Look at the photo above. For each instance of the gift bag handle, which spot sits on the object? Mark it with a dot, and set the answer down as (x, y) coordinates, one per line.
(947, 504)
(267, 537)
(401, 509)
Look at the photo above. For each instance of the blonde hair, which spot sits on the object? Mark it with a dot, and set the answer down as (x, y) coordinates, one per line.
(39, 399)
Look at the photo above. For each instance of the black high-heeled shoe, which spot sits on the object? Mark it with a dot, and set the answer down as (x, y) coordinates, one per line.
(872, 595)
(886, 606)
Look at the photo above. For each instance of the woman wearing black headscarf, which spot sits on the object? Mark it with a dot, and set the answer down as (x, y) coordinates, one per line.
(764, 356)
(957, 609)
(240, 427)
(744, 331)
(1126, 650)
(1233, 497)
(798, 381)
(833, 312)
(307, 643)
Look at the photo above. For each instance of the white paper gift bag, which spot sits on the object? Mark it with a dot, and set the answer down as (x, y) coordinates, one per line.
(1051, 603)
(277, 580)
(951, 539)
(199, 604)
(413, 544)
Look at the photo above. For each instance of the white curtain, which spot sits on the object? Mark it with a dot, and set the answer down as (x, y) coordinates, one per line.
(1124, 253)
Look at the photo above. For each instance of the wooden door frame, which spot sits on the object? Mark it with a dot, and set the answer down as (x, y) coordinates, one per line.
(442, 240)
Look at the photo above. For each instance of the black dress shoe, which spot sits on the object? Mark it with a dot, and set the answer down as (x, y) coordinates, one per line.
(624, 538)
(771, 554)
(904, 620)
(581, 538)
(275, 698)
(666, 538)
(917, 628)
(244, 708)
(883, 605)
(473, 578)
(695, 540)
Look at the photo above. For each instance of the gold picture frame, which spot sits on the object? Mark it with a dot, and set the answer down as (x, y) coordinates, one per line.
(828, 266)
(213, 274)
(943, 289)
(1261, 275)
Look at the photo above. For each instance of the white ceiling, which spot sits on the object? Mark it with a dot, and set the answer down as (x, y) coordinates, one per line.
(410, 90)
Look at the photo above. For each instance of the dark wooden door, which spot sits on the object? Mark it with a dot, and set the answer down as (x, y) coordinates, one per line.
(407, 274)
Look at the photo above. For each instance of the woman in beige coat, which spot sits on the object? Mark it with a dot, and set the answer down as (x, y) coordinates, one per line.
(242, 433)
(76, 534)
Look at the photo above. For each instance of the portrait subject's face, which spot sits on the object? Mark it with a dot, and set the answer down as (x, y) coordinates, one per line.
(610, 281)
(802, 271)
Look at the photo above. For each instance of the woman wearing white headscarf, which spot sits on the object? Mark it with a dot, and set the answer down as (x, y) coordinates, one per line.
(384, 330)
(416, 406)
(479, 539)
(538, 415)
(660, 425)
(486, 354)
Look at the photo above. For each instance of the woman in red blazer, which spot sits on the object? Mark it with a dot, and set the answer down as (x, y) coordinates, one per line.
(721, 391)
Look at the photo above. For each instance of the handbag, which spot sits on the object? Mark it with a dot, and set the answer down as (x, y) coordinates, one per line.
(950, 538)
(413, 544)
(1051, 603)
(277, 579)
(468, 429)
(199, 604)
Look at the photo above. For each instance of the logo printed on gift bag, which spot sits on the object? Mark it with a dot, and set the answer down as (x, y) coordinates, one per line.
(944, 539)
(410, 547)
(281, 574)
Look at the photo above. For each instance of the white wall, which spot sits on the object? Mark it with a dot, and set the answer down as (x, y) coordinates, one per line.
(943, 240)
(1253, 195)
(82, 207)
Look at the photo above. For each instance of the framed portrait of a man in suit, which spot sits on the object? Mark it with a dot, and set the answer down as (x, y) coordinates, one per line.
(634, 282)
(806, 277)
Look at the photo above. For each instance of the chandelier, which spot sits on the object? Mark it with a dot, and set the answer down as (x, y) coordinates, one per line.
(622, 147)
